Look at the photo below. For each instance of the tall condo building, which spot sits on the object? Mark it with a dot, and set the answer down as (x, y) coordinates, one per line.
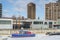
(31, 11)
(52, 11)
(0, 10)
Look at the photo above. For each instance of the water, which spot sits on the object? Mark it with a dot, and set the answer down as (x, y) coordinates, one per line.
(38, 37)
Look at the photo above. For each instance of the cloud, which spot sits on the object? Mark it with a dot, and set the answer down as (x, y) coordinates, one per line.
(5, 13)
(11, 1)
(47, 1)
(20, 5)
(41, 3)
(18, 9)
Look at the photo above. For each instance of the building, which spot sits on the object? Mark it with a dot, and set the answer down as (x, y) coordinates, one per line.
(52, 11)
(6, 23)
(57, 25)
(38, 24)
(16, 24)
(9, 23)
(31, 11)
(0, 10)
(16, 21)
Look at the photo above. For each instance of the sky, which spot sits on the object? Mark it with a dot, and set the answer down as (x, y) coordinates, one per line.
(19, 7)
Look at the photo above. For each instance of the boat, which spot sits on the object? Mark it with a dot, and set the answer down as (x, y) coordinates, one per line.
(53, 33)
(26, 34)
(23, 33)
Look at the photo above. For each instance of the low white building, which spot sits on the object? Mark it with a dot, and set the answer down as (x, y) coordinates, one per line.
(40, 24)
(6, 23)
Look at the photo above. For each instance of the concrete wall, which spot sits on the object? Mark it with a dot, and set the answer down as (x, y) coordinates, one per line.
(2, 26)
(38, 26)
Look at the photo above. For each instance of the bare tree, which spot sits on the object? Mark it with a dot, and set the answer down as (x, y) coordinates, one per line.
(13, 17)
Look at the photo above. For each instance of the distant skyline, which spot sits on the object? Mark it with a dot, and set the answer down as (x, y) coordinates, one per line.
(19, 7)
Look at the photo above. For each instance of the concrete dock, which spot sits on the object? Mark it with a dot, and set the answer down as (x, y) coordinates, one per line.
(8, 32)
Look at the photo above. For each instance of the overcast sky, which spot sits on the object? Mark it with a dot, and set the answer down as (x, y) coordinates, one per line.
(19, 7)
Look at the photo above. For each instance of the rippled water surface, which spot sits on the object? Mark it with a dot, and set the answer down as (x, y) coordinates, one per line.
(38, 37)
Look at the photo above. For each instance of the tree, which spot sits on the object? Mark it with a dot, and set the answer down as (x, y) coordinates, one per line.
(13, 17)
(19, 18)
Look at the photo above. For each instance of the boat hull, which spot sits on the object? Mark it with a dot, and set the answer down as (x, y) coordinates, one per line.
(23, 35)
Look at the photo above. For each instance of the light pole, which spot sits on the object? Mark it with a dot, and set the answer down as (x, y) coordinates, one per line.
(16, 22)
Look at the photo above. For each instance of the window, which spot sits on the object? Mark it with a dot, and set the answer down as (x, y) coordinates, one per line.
(54, 22)
(50, 22)
(5, 22)
(55, 10)
(0, 7)
(58, 17)
(36, 22)
(41, 22)
(45, 23)
(46, 18)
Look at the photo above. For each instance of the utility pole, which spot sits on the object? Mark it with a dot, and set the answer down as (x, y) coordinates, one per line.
(16, 22)
(38, 18)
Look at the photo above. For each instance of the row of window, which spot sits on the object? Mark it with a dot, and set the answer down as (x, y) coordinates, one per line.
(5, 22)
(41, 22)
(37, 22)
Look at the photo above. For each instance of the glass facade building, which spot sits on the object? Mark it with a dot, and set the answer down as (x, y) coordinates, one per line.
(0, 10)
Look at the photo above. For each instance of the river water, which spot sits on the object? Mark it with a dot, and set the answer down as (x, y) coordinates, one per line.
(38, 37)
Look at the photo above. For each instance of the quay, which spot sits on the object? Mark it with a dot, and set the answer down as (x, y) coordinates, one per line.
(9, 32)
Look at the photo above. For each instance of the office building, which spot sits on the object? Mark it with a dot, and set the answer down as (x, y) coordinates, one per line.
(52, 11)
(0, 10)
(31, 11)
